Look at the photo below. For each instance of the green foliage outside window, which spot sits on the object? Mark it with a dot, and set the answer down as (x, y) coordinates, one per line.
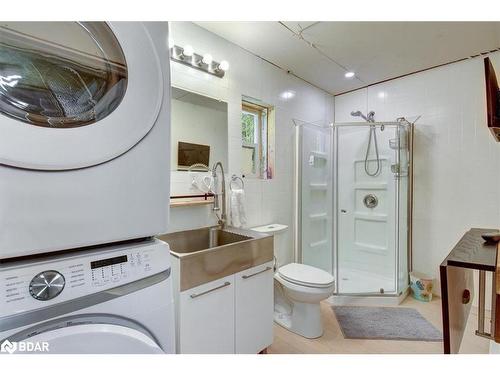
(248, 128)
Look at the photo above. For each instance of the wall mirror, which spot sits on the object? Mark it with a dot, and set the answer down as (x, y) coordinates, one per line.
(198, 139)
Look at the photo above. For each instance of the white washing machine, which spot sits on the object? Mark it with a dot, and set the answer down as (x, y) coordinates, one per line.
(84, 125)
(112, 300)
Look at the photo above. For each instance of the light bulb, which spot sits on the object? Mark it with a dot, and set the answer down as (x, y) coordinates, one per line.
(188, 50)
(224, 65)
(207, 59)
(349, 74)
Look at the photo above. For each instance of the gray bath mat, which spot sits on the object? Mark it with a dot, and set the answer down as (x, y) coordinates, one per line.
(385, 323)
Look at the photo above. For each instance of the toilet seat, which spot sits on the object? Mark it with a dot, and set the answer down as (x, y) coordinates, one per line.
(304, 275)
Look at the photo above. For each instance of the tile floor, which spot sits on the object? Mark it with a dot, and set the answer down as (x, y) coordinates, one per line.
(333, 342)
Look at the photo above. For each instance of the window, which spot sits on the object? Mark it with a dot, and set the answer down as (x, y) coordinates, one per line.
(257, 129)
(60, 74)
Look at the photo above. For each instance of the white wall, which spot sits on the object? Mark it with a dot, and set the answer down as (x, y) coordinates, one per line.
(267, 200)
(457, 161)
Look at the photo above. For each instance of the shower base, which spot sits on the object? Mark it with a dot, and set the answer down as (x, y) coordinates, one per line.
(353, 281)
(363, 288)
(368, 299)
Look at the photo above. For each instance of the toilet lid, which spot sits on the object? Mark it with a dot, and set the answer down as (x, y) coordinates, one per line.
(303, 274)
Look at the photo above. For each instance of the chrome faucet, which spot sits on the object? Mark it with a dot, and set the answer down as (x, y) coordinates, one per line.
(222, 217)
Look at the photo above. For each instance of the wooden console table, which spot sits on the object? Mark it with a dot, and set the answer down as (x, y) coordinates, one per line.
(457, 288)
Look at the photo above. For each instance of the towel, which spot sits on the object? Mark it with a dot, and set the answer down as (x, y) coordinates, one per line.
(238, 215)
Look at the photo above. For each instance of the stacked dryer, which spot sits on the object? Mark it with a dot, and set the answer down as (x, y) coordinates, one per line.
(84, 171)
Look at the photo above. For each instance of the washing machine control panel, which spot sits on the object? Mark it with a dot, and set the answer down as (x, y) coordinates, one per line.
(107, 271)
(38, 284)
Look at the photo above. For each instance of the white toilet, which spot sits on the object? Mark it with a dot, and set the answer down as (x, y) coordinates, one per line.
(298, 291)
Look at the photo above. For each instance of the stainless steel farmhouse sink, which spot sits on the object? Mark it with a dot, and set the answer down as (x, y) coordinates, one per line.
(207, 254)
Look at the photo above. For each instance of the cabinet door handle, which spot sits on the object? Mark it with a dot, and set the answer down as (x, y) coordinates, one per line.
(196, 295)
(256, 273)
(466, 296)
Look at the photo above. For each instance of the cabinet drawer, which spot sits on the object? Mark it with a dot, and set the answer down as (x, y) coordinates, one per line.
(206, 318)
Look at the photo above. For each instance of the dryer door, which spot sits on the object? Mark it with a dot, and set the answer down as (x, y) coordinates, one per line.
(75, 94)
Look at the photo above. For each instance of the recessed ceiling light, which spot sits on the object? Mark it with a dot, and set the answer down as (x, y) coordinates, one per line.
(382, 95)
(287, 95)
(349, 74)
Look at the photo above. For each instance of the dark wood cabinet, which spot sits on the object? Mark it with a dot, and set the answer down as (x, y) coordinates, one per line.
(457, 288)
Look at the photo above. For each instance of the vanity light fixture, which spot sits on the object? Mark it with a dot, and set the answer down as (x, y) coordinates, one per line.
(188, 50)
(207, 59)
(205, 63)
(223, 66)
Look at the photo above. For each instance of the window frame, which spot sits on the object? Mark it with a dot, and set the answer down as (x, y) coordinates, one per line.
(261, 135)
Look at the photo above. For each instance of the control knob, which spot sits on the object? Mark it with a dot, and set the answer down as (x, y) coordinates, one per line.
(47, 285)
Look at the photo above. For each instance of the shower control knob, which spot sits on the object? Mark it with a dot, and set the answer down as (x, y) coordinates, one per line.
(370, 201)
(47, 285)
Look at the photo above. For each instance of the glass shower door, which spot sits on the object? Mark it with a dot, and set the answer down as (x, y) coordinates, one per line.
(314, 196)
(366, 209)
(402, 144)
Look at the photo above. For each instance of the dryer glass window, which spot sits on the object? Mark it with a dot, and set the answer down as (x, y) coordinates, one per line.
(60, 74)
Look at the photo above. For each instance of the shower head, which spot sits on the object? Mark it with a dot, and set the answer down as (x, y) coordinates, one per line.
(370, 117)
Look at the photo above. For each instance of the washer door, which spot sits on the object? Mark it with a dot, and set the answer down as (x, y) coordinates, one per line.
(89, 334)
(74, 95)
(96, 339)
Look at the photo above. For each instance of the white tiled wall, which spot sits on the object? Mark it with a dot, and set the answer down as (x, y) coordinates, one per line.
(457, 161)
(267, 201)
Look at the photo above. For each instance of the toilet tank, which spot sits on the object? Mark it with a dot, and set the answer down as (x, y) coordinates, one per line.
(282, 255)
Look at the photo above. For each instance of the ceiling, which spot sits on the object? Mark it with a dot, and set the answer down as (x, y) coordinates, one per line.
(322, 52)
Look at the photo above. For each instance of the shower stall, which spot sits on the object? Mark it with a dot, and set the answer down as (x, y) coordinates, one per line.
(354, 204)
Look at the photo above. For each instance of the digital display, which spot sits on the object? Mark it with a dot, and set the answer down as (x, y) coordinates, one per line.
(108, 262)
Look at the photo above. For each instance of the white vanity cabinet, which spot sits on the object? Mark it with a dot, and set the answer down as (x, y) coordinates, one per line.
(254, 308)
(233, 314)
(206, 318)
